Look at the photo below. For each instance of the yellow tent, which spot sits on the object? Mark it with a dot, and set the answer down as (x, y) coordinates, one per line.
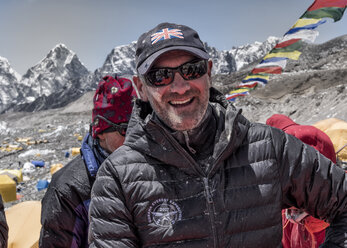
(75, 151)
(23, 220)
(336, 129)
(8, 188)
(16, 173)
(55, 168)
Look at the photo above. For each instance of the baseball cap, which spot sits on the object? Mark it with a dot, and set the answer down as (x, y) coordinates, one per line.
(113, 100)
(163, 38)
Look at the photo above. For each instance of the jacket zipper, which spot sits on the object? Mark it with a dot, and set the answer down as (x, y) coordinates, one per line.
(205, 180)
(210, 208)
(179, 148)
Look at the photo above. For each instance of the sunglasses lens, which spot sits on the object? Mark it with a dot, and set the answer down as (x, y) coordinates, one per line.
(189, 71)
(195, 70)
(159, 77)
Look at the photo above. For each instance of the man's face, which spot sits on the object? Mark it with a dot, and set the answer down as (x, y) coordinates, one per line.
(183, 103)
(110, 141)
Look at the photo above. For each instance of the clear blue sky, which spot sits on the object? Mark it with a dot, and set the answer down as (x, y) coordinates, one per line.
(92, 28)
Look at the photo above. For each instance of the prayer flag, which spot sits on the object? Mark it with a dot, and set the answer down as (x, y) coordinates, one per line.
(291, 43)
(326, 8)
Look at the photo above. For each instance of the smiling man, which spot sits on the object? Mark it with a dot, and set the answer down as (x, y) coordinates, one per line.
(193, 172)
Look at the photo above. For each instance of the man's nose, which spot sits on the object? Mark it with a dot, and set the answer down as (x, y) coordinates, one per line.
(179, 85)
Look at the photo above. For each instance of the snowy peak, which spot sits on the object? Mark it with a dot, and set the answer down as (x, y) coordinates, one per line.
(247, 54)
(9, 79)
(59, 60)
(61, 55)
(120, 61)
(223, 61)
(5, 68)
(57, 70)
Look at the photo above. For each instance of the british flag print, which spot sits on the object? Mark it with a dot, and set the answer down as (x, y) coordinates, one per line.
(166, 33)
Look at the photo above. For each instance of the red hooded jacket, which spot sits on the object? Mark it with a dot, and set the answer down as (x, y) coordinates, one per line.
(311, 233)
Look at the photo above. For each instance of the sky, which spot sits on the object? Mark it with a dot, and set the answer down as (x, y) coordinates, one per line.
(29, 29)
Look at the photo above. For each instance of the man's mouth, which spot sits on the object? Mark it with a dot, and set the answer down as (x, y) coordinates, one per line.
(181, 103)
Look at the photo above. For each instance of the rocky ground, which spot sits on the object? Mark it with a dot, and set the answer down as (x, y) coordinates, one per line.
(47, 136)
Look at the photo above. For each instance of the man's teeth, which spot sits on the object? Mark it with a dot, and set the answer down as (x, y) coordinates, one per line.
(180, 102)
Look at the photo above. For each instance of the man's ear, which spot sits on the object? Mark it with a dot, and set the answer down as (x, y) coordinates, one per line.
(209, 67)
(209, 72)
(140, 88)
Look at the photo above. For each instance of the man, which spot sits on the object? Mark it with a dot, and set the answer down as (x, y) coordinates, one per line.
(3, 226)
(299, 229)
(193, 172)
(65, 205)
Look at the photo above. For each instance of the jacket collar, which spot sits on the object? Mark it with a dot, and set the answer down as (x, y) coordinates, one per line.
(92, 154)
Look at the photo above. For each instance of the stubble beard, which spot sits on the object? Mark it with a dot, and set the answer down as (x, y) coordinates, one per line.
(183, 121)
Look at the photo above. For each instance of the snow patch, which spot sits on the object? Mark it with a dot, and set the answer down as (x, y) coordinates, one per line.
(33, 152)
(56, 132)
(3, 127)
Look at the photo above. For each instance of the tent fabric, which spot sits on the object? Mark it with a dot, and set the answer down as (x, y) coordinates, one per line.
(55, 168)
(3, 226)
(8, 188)
(336, 129)
(16, 173)
(23, 220)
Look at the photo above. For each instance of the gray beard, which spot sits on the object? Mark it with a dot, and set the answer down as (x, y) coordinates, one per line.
(199, 140)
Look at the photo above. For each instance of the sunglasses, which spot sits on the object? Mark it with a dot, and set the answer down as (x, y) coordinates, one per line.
(121, 128)
(164, 76)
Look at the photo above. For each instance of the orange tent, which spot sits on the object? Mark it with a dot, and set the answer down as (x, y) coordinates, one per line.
(23, 220)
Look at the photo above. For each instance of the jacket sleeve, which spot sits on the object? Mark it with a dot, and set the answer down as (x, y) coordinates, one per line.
(3, 226)
(111, 223)
(313, 183)
(61, 224)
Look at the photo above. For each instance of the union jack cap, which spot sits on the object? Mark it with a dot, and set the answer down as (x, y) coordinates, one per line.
(163, 38)
(166, 33)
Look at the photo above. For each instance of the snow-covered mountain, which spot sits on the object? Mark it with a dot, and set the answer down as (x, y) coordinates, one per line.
(247, 54)
(9, 79)
(59, 69)
(53, 82)
(120, 61)
(61, 77)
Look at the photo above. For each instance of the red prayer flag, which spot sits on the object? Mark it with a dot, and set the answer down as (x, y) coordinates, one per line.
(270, 70)
(318, 4)
(286, 43)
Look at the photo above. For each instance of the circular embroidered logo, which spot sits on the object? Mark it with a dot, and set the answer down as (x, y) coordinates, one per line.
(114, 90)
(164, 212)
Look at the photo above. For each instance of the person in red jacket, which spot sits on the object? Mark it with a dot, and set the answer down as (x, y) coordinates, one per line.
(299, 229)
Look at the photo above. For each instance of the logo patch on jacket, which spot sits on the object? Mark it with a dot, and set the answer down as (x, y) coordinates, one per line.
(164, 213)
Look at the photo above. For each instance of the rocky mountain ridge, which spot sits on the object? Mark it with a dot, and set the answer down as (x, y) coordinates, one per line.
(61, 77)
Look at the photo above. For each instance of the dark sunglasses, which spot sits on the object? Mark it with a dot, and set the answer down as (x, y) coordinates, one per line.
(120, 128)
(164, 76)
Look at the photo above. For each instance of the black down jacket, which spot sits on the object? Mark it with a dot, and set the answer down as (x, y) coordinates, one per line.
(151, 192)
(3, 226)
(64, 215)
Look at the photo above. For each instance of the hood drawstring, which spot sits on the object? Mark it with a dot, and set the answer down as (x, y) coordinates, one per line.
(186, 138)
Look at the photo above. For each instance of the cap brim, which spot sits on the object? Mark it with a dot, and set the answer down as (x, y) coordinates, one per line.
(147, 64)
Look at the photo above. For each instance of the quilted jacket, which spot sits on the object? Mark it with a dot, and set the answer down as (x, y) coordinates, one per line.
(151, 192)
